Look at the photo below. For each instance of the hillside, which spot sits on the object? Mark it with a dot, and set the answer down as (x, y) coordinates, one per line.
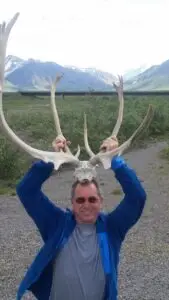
(154, 78)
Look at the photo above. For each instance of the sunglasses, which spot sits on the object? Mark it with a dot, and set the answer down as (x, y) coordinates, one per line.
(82, 200)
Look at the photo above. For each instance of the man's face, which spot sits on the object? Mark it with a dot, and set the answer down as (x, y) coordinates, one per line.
(86, 203)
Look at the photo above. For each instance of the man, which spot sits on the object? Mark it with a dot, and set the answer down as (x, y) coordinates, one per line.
(80, 256)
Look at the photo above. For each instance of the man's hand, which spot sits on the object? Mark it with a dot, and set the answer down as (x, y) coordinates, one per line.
(60, 143)
(109, 144)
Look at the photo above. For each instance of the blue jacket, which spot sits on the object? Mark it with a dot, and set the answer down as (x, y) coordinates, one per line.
(56, 225)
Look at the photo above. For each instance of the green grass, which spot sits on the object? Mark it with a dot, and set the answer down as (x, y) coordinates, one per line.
(165, 153)
(7, 188)
(32, 120)
(117, 191)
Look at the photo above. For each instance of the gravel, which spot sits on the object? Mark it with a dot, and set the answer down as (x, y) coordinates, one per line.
(144, 264)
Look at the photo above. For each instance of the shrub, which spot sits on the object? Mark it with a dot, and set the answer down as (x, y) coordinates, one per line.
(32, 120)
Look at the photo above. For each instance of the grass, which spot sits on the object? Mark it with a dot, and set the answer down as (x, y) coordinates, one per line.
(165, 153)
(7, 189)
(31, 119)
(117, 191)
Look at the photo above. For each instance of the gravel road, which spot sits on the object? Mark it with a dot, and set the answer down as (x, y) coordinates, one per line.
(144, 265)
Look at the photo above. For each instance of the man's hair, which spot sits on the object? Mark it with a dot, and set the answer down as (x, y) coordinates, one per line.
(84, 183)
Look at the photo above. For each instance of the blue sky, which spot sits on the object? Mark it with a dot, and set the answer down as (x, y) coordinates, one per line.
(111, 35)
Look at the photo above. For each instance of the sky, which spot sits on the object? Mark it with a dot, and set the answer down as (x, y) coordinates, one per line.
(110, 35)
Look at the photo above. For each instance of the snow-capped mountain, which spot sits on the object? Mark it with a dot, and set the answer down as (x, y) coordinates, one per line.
(12, 63)
(34, 75)
(106, 77)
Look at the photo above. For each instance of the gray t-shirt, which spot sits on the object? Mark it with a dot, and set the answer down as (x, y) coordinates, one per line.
(78, 271)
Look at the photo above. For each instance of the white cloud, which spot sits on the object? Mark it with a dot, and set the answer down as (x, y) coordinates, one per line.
(106, 34)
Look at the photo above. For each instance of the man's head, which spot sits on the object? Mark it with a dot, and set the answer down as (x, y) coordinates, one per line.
(86, 201)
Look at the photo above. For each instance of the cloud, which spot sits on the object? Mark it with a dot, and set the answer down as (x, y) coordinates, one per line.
(106, 34)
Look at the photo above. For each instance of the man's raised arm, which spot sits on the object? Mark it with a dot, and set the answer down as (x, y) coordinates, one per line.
(128, 212)
(43, 212)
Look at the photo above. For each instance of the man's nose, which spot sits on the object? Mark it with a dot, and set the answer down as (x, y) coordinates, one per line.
(86, 203)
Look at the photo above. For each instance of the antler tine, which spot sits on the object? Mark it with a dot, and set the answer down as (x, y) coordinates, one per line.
(115, 131)
(4, 35)
(106, 157)
(117, 126)
(119, 90)
(144, 124)
(86, 142)
(56, 116)
(53, 106)
(58, 158)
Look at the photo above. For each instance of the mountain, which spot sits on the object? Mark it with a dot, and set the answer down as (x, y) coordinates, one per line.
(154, 78)
(12, 63)
(131, 73)
(101, 75)
(34, 75)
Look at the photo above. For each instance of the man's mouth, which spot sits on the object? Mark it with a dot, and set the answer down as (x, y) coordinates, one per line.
(87, 212)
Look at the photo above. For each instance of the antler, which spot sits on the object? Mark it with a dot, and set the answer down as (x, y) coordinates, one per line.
(119, 89)
(84, 169)
(86, 142)
(106, 157)
(56, 116)
(58, 158)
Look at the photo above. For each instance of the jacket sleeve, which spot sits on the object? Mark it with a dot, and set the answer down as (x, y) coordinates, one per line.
(128, 212)
(44, 213)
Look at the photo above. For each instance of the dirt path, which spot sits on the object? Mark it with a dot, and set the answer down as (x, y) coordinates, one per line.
(144, 265)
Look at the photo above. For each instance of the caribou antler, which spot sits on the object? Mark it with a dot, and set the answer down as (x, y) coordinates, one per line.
(106, 157)
(119, 89)
(83, 169)
(60, 135)
(58, 158)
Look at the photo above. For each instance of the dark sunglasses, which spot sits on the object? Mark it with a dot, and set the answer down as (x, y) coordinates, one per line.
(81, 200)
